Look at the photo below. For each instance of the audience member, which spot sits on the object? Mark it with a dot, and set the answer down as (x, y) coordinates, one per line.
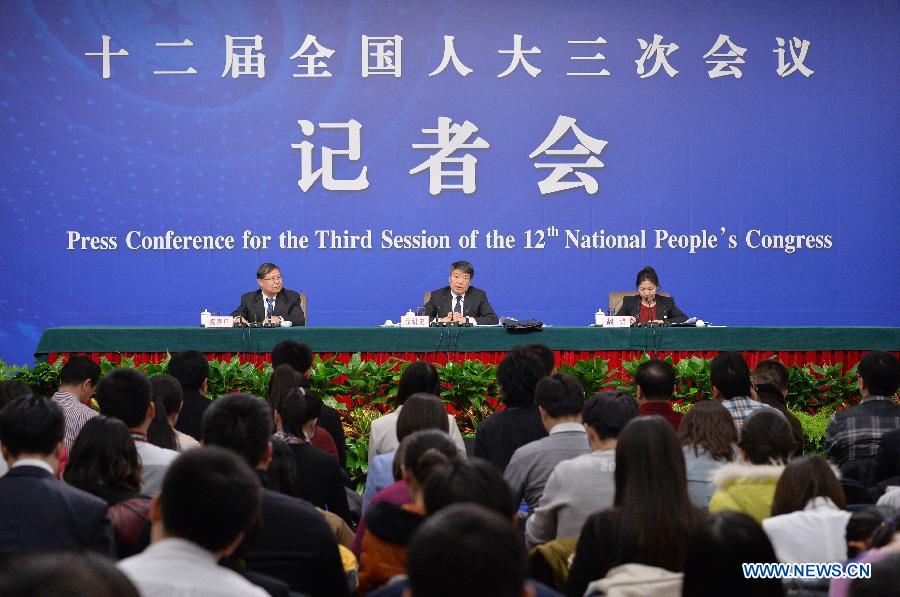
(294, 543)
(581, 486)
(487, 555)
(808, 518)
(104, 462)
(126, 395)
(396, 493)
(884, 582)
(729, 376)
(77, 382)
(210, 498)
(652, 518)
(883, 542)
(560, 400)
(10, 389)
(317, 436)
(321, 482)
(471, 480)
(870, 527)
(421, 411)
(390, 526)
(888, 459)
(160, 433)
(720, 545)
(546, 355)
(40, 513)
(418, 377)
(519, 423)
(708, 439)
(300, 357)
(655, 380)
(64, 574)
(854, 434)
(770, 385)
(167, 390)
(766, 444)
(191, 369)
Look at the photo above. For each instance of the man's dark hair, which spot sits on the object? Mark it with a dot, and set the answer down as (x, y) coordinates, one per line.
(803, 479)
(77, 369)
(463, 266)
(104, 458)
(190, 368)
(560, 395)
(209, 496)
(546, 355)
(729, 374)
(607, 413)
(488, 555)
(296, 354)
(880, 372)
(31, 425)
(168, 391)
(10, 389)
(240, 422)
(63, 573)
(314, 405)
(720, 544)
(125, 394)
(766, 437)
(656, 379)
(770, 371)
(419, 376)
(421, 411)
(470, 480)
(518, 374)
(265, 269)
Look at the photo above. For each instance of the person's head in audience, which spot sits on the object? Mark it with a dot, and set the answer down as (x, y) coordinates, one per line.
(32, 427)
(884, 582)
(424, 452)
(708, 426)
(289, 414)
(469, 480)
(729, 376)
(870, 527)
(311, 413)
(518, 373)
(167, 390)
(10, 389)
(104, 458)
(606, 415)
(771, 376)
(282, 473)
(546, 355)
(719, 546)
(804, 479)
(297, 355)
(560, 399)
(241, 423)
(878, 374)
(191, 369)
(126, 395)
(284, 380)
(160, 432)
(79, 376)
(421, 411)
(418, 377)
(655, 380)
(488, 555)
(65, 574)
(766, 438)
(209, 497)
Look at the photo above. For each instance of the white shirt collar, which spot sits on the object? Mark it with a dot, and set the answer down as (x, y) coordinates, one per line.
(566, 427)
(34, 462)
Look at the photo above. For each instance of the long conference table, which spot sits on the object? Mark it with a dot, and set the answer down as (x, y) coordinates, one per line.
(793, 345)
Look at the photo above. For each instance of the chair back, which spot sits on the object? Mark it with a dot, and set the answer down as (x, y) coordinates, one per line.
(303, 306)
(615, 298)
(426, 298)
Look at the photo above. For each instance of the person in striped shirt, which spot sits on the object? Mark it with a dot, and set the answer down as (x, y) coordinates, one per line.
(77, 381)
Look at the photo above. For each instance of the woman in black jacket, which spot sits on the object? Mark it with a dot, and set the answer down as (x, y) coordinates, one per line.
(648, 306)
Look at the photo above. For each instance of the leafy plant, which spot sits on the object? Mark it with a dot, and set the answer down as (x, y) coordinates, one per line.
(362, 382)
(42, 378)
(467, 387)
(814, 426)
(594, 374)
(692, 375)
(813, 387)
(234, 376)
(357, 427)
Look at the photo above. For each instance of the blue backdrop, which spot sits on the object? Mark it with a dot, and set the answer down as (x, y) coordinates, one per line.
(207, 154)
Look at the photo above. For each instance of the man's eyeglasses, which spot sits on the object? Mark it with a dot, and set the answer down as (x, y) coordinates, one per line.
(274, 279)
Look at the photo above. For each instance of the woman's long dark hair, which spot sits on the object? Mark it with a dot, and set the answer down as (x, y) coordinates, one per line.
(160, 432)
(803, 479)
(291, 408)
(656, 516)
(710, 426)
(104, 458)
(282, 472)
(418, 377)
(283, 380)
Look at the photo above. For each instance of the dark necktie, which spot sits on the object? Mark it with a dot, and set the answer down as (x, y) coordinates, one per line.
(270, 307)
(458, 307)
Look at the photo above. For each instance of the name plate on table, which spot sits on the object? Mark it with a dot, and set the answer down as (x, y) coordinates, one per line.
(615, 321)
(414, 321)
(220, 321)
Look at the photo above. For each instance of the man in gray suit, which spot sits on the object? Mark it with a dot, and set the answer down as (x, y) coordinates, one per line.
(460, 302)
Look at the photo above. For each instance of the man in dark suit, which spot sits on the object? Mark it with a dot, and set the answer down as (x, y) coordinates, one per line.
(460, 302)
(272, 304)
(40, 513)
(294, 542)
(191, 369)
